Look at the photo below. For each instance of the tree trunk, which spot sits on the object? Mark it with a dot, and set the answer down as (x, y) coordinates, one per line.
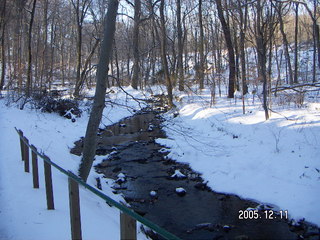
(78, 73)
(44, 62)
(164, 54)
(90, 140)
(201, 48)
(3, 55)
(296, 31)
(227, 36)
(285, 41)
(316, 31)
(180, 47)
(80, 8)
(53, 43)
(262, 52)
(243, 28)
(236, 55)
(29, 73)
(136, 52)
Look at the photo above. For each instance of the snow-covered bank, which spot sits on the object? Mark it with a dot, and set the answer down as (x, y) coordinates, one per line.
(275, 161)
(23, 214)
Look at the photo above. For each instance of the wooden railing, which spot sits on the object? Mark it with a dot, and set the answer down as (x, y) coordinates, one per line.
(128, 217)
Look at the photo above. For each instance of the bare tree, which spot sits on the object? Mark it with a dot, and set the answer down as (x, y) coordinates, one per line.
(136, 52)
(29, 73)
(296, 31)
(243, 18)
(90, 140)
(280, 10)
(201, 47)
(180, 47)
(228, 39)
(163, 43)
(80, 8)
(3, 23)
(264, 29)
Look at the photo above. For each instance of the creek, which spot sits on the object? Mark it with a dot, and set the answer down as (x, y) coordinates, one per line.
(172, 195)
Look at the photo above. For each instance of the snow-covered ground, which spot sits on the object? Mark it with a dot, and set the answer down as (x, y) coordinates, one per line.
(23, 214)
(275, 161)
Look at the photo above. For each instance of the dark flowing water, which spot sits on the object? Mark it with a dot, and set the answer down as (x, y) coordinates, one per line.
(144, 175)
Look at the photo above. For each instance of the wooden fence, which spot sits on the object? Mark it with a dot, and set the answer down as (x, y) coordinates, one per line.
(128, 217)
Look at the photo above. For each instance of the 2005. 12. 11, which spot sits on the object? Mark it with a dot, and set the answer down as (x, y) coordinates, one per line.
(267, 214)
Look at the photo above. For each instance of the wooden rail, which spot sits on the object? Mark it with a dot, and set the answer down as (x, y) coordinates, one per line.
(128, 217)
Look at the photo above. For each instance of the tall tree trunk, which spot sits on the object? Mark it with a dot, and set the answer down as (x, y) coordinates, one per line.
(80, 7)
(316, 31)
(62, 61)
(164, 54)
(262, 52)
(243, 29)
(29, 73)
(236, 54)
(228, 39)
(52, 48)
(316, 35)
(296, 31)
(136, 52)
(44, 63)
(317, 39)
(79, 53)
(278, 8)
(201, 48)
(90, 140)
(314, 56)
(3, 54)
(17, 47)
(180, 47)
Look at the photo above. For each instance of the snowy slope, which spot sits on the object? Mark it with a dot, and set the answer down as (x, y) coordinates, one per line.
(275, 161)
(23, 214)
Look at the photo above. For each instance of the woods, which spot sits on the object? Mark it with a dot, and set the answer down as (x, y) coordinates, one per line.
(193, 114)
(50, 43)
(251, 47)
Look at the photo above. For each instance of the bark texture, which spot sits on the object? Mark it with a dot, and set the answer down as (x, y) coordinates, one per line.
(90, 140)
(228, 39)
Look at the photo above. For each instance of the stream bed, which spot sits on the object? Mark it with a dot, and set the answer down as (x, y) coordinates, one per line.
(175, 197)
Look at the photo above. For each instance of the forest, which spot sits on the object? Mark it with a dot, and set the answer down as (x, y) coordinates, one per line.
(177, 43)
(194, 114)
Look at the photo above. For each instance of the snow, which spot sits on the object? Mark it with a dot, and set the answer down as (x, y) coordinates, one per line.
(274, 162)
(153, 193)
(121, 178)
(23, 213)
(150, 127)
(178, 174)
(180, 190)
(121, 175)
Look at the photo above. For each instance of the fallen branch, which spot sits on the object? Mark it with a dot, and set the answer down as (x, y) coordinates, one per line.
(283, 88)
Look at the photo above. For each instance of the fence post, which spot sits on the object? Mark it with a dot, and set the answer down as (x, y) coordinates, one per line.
(48, 180)
(128, 227)
(21, 144)
(74, 205)
(35, 173)
(26, 155)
